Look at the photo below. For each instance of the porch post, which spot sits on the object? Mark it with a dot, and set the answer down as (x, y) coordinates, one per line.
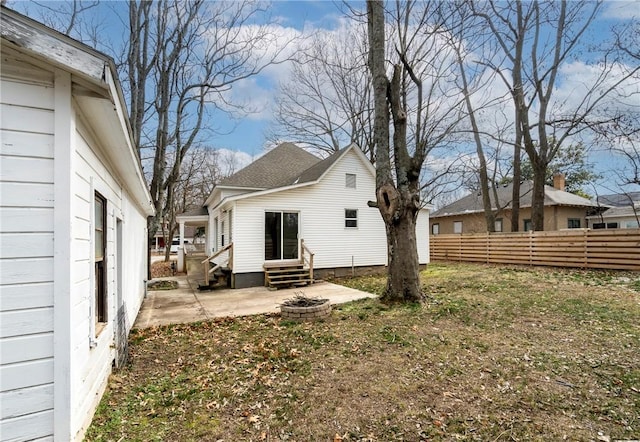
(181, 249)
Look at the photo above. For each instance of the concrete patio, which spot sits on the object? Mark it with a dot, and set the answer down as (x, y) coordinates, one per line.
(187, 304)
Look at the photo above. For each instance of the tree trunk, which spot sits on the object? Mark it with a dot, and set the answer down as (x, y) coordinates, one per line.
(517, 176)
(403, 283)
(537, 203)
(398, 204)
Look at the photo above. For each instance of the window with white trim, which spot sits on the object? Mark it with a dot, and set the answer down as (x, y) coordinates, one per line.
(435, 229)
(351, 218)
(457, 227)
(497, 225)
(100, 245)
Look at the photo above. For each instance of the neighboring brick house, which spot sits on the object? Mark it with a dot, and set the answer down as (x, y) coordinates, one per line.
(562, 210)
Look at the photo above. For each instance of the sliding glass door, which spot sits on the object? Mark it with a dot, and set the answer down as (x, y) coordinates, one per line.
(280, 235)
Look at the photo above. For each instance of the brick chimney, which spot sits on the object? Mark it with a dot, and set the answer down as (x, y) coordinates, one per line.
(559, 181)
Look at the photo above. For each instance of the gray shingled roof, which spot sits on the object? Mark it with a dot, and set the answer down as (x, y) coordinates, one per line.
(619, 199)
(473, 202)
(316, 171)
(617, 212)
(279, 167)
(200, 211)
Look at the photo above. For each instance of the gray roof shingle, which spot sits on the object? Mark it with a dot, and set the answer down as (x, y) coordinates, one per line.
(473, 202)
(279, 167)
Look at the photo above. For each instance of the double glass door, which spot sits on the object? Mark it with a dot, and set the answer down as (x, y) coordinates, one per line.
(281, 235)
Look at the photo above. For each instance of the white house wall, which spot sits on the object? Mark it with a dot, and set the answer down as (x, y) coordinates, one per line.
(322, 221)
(26, 253)
(30, 243)
(91, 366)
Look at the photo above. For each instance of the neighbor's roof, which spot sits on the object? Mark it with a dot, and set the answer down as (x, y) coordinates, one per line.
(200, 211)
(278, 167)
(473, 203)
(619, 199)
(615, 212)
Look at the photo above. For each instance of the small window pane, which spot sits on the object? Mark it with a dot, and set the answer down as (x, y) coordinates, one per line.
(573, 223)
(351, 180)
(498, 225)
(632, 224)
(598, 226)
(99, 209)
(350, 217)
(612, 225)
(457, 227)
(435, 229)
(527, 225)
(99, 244)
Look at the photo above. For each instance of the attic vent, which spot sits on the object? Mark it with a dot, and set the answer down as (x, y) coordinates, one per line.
(350, 180)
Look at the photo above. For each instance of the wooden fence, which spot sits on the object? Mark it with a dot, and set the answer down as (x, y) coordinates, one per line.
(598, 249)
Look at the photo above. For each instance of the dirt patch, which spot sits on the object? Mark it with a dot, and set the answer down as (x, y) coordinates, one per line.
(499, 354)
(162, 285)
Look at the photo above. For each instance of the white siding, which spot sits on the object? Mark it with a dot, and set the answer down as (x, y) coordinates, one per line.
(26, 256)
(322, 220)
(91, 366)
(28, 229)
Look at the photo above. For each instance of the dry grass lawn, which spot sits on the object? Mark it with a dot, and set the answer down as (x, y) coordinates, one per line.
(497, 354)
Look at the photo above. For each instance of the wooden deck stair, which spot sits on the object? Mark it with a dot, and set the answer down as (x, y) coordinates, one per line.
(283, 275)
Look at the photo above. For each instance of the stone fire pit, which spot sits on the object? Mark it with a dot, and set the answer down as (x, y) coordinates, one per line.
(302, 308)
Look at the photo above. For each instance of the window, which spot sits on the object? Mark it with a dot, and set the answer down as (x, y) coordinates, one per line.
(221, 233)
(350, 217)
(435, 229)
(99, 241)
(280, 235)
(230, 225)
(457, 227)
(527, 225)
(497, 226)
(612, 225)
(215, 234)
(350, 181)
(631, 224)
(573, 223)
(598, 226)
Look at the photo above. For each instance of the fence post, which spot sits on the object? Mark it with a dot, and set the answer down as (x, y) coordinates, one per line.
(530, 247)
(585, 240)
(488, 246)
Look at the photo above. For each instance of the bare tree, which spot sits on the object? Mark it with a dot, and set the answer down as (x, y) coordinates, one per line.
(183, 60)
(201, 169)
(78, 19)
(538, 38)
(326, 103)
(419, 92)
(473, 80)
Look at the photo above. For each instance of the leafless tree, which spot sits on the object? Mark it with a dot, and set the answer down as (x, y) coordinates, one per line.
(78, 19)
(201, 169)
(537, 39)
(183, 61)
(326, 103)
(420, 105)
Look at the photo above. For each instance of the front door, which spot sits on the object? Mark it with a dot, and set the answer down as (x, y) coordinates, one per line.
(281, 235)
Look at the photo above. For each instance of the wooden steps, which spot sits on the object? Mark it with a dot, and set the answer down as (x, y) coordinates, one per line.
(285, 275)
(220, 277)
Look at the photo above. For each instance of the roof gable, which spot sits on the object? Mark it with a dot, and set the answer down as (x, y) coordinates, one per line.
(278, 167)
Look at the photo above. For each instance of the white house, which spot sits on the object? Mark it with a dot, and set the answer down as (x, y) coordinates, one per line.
(73, 210)
(289, 204)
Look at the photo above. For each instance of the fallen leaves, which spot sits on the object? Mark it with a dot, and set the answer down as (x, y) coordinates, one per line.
(471, 366)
